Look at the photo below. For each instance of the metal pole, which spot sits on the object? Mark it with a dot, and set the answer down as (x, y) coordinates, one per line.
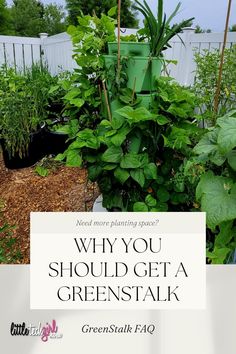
(217, 95)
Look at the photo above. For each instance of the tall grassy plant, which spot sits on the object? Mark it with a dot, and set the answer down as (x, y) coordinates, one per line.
(159, 30)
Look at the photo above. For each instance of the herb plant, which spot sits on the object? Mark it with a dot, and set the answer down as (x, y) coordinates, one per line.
(158, 29)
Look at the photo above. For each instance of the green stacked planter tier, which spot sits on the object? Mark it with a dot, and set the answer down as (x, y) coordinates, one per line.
(145, 101)
(135, 49)
(142, 71)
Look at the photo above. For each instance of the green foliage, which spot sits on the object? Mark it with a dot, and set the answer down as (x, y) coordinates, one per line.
(207, 73)
(83, 97)
(216, 190)
(127, 155)
(54, 19)
(157, 28)
(31, 17)
(8, 249)
(41, 171)
(23, 106)
(91, 7)
(198, 29)
(5, 19)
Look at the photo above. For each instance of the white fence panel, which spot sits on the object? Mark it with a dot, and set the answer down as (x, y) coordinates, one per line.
(19, 52)
(57, 52)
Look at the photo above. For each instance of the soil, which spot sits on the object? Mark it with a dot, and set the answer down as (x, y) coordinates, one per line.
(23, 191)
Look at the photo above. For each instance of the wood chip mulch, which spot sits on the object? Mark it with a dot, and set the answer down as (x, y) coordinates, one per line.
(23, 191)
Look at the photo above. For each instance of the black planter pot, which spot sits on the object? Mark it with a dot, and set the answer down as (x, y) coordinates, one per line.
(35, 153)
(55, 142)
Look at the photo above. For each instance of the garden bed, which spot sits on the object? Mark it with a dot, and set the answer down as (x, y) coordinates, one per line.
(23, 191)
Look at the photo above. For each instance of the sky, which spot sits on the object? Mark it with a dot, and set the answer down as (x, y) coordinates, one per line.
(208, 13)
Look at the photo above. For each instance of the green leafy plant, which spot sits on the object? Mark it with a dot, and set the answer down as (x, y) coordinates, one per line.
(8, 250)
(216, 190)
(207, 73)
(131, 155)
(23, 106)
(90, 39)
(158, 29)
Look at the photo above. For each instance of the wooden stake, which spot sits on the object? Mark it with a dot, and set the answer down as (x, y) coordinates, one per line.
(118, 24)
(133, 93)
(106, 99)
(217, 95)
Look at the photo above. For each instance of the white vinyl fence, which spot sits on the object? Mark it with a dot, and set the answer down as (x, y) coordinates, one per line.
(56, 51)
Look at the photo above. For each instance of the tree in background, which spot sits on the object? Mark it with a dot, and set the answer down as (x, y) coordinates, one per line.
(30, 17)
(198, 29)
(54, 20)
(128, 14)
(5, 19)
(27, 16)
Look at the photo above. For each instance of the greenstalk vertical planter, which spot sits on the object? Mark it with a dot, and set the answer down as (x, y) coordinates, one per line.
(142, 73)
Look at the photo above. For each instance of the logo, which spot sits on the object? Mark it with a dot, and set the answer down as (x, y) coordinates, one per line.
(45, 332)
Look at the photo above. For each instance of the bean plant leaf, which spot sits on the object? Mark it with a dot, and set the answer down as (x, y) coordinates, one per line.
(130, 160)
(73, 158)
(231, 157)
(138, 176)
(163, 194)
(218, 198)
(136, 115)
(42, 171)
(150, 171)
(150, 201)
(227, 134)
(140, 207)
(112, 154)
(121, 175)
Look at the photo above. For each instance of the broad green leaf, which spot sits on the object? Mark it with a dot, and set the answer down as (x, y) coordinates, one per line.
(140, 207)
(112, 154)
(117, 121)
(162, 120)
(109, 166)
(112, 12)
(150, 201)
(218, 198)
(161, 206)
(135, 143)
(231, 157)
(72, 94)
(94, 171)
(136, 115)
(60, 157)
(78, 102)
(130, 160)
(208, 143)
(219, 255)
(73, 158)
(87, 137)
(138, 176)
(163, 194)
(150, 171)
(121, 175)
(42, 171)
(227, 134)
(225, 235)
